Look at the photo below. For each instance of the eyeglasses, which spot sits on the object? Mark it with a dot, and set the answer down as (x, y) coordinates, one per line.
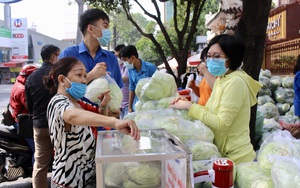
(216, 56)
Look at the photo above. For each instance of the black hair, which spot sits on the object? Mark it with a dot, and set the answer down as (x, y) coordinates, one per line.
(297, 65)
(128, 51)
(48, 50)
(203, 54)
(61, 67)
(119, 47)
(232, 46)
(91, 16)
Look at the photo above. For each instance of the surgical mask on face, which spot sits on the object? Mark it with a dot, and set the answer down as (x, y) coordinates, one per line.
(104, 40)
(216, 66)
(128, 65)
(77, 90)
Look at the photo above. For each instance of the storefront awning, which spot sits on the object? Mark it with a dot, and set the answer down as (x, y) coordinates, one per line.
(13, 64)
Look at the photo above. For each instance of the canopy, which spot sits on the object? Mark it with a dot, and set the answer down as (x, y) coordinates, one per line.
(14, 63)
(172, 62)
(193, 60)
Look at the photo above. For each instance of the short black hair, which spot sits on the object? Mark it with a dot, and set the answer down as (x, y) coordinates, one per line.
(119, 47)
(91, 16)
(48, 50)
(232, 46)
(128, 51)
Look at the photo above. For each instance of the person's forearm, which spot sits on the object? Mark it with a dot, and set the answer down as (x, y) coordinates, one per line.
(196, 90)
(131, 98)
(75, 116)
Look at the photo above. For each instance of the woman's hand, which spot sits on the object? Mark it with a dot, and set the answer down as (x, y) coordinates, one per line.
(128, 127)
(104, 99)
(181, 103)
(191, 84)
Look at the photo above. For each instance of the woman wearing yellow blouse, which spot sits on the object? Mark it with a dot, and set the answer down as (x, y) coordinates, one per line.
(227, 111)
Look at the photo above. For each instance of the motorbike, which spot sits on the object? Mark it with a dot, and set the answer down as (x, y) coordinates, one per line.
(15, 155)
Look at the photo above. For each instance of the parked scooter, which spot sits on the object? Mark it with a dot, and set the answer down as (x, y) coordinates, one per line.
(15, 155)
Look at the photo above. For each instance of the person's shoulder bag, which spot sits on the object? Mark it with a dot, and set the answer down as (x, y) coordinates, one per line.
(25, 128)
(8, 119)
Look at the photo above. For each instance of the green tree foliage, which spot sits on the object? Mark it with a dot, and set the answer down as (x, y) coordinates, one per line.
(185, 19)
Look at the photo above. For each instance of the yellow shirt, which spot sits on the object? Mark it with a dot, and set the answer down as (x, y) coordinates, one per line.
(227, 113)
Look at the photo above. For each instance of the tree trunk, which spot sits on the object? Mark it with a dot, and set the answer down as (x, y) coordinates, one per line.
(252, 28)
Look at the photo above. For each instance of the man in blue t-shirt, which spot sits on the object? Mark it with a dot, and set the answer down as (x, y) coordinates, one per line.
(94, 25)
(137, 69)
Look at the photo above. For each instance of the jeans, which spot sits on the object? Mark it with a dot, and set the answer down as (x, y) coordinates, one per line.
(124, 112)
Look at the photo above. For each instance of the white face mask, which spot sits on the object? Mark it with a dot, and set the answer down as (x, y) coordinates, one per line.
(128, 65)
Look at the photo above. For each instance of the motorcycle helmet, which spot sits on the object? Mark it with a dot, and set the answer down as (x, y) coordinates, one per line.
(27, 70)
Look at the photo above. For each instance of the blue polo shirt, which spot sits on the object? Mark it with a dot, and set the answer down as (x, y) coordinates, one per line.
(81, 53)
(147, 70)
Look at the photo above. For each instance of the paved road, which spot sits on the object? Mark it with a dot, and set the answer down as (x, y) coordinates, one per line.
(5, 90)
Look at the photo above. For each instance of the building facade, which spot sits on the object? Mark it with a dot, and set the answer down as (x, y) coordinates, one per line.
(10, 67)
(283, 38)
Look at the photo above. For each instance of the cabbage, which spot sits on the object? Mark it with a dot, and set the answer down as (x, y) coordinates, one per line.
(285, 171)
(266, 73)
(116, 97)
(281, 147)
(202, 150)
(275, 82)
(164, 102)
(270, 111)
(264, 99)
(249, 176)
(265, 81)
(282, 108)
(138, 105)
(143, 174)
(113, 175)
(148, 105)
(288, 82)
(264, 91)
(161, 85)
(95, 88)
(140, 85)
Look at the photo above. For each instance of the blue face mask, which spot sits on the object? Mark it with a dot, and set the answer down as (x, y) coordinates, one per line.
(104, 40)
(77, 90)
(128, 65)
(216, 66)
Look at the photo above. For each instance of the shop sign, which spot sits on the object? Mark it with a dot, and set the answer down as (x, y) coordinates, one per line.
(4, 32)
(276, 28)
(19, 39)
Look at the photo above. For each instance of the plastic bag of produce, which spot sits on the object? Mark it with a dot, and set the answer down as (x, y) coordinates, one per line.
(280, 143)
(283, 108)
(265, 81)
(269, 110)
(202, 150)
(288, 82)
(249, 176)
(285, 171)
(275, 82)
(161, 85)
(140, 85)
(264, 99)
(102, 84)
(266, 73)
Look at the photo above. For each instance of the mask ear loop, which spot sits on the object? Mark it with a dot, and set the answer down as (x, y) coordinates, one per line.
(241, 66)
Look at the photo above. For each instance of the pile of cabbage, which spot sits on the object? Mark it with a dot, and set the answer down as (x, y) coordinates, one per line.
(155, 92)
(275, 108)
(102, 84)
(277, 165)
